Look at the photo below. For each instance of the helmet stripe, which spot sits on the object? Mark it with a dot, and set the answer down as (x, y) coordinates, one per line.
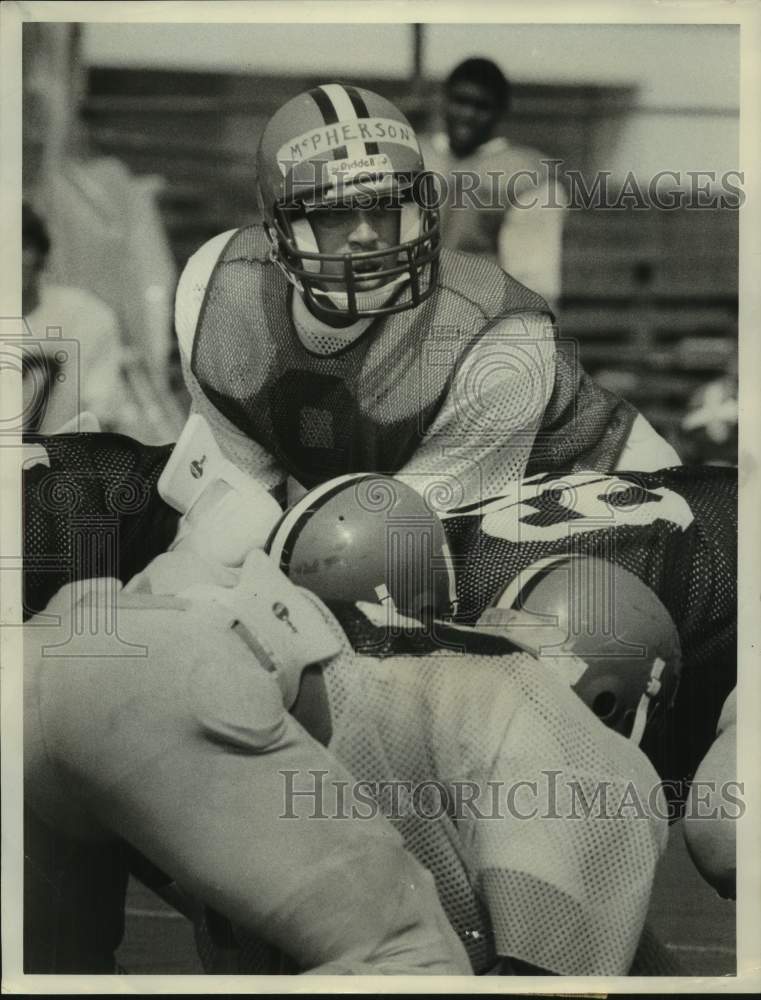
(329, 116)
(360, 109)
(338, 97)
(326, 106)
(346, 110)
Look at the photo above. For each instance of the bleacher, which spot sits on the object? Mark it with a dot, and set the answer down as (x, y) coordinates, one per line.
(649, 295)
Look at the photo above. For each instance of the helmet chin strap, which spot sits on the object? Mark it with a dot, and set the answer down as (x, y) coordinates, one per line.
(653, 689)
(317, 336)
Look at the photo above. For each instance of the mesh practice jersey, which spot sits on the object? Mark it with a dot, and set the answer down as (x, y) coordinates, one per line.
(363, 408)
(475, 751)
(675, 529)
(373, 404)
(91, 509)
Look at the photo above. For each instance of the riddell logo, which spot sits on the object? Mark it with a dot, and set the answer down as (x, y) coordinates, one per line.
(361, 163)
(196, 467)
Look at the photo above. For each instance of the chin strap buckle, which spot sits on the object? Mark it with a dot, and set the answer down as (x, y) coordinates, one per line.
(652, 690)
(274, 258)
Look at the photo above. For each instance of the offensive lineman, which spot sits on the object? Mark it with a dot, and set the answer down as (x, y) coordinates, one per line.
(675, 530)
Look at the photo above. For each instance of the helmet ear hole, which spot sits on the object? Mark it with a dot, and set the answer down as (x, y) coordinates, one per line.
(615, 624)
(604, 705)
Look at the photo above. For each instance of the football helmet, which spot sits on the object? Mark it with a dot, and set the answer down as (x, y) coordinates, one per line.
(367, 537)
(341, 147)
(607, 617)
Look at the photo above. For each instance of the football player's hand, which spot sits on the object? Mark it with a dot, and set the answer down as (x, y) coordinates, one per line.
(226, 512)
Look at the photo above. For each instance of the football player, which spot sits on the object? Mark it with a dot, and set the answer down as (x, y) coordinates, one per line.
(336, 336)
(674, 530)
(397, 712)
(169, 734)
(156, 737)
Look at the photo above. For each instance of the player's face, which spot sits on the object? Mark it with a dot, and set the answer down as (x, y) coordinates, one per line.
(348, 229)
(471, 115)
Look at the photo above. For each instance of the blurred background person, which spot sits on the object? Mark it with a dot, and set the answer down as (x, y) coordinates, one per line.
(106, 231)
(74, 363)
(502, 200)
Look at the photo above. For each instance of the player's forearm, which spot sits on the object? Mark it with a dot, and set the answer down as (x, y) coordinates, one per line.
(482, 438)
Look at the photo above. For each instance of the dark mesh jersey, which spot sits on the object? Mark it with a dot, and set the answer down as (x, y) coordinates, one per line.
(675, 529)
(93, 511)
(584, 426)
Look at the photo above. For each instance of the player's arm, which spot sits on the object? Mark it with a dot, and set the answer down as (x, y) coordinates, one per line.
(483, 435)
(249, 455)
(175, 737)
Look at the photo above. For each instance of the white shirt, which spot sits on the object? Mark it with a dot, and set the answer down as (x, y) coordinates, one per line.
(80, 333)
(530, 237)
